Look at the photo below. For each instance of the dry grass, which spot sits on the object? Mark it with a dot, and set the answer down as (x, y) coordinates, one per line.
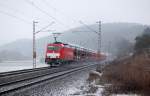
(128, 75)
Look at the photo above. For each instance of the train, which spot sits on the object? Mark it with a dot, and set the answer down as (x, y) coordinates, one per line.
(58, 53)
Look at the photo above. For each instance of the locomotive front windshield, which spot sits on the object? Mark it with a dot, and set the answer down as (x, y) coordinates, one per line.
(53, 48)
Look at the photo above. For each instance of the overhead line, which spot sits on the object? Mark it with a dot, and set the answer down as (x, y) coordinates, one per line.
(45, 27)
(16, 17)
(46, 13)
(46, 3)
(12, 9)
(88, 27)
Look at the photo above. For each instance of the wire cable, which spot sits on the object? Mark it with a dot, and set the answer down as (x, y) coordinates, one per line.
(44, 12)
(12, 9)
(55, 9)
(45, 27)
(16, 17)
(88, 27)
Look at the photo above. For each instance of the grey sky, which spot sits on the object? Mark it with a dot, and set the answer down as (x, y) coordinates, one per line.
(67, 14)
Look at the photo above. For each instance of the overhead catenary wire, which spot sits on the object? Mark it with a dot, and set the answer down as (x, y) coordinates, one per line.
(98, 33)
(46, 3)
(16, 17)
(58, 11)
(55, 9)
(13, 9)
(44, 27)
(88, 27)
(44, 12)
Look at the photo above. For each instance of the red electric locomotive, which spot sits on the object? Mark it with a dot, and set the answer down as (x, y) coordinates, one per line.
(58, 53)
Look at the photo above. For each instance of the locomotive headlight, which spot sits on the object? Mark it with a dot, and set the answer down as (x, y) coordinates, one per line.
(53, 55)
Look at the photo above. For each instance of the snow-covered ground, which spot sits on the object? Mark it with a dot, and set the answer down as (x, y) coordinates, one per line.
(6, 66)
(67, 85)
(72, 85)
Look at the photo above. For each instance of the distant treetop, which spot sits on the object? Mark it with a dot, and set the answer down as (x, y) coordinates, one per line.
(143, 41)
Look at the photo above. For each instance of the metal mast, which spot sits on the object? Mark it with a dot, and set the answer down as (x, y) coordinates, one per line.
(99, 37)
(34, 46)
(98, 33)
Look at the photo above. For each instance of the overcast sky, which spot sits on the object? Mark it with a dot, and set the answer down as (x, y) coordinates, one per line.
(16, 16)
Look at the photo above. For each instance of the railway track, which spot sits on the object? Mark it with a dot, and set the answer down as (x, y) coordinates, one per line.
(10, 82)
(22, 71)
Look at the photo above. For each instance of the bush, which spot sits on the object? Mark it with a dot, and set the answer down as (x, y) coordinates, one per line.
(132, 74)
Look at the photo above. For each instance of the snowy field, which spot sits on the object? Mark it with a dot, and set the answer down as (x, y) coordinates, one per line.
(6, 66)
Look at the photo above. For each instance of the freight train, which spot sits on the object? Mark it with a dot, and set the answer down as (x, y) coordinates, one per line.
(58, 53)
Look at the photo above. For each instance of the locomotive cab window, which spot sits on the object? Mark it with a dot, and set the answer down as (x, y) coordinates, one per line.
(53, 48)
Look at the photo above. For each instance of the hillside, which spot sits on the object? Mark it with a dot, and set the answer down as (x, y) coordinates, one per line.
(111, 34)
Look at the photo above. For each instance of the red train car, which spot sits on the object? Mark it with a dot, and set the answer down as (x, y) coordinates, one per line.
(58, 53)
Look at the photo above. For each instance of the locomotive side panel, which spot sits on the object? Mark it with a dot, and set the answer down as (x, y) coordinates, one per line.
(67, 54)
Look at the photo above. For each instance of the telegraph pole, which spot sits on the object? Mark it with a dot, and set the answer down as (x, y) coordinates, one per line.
(99, 37)
(34, 46)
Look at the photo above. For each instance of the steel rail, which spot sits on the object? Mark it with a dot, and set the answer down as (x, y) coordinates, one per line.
(22, 71)
(5, 88)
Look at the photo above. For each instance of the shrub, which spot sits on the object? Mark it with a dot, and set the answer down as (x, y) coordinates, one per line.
(131, 74)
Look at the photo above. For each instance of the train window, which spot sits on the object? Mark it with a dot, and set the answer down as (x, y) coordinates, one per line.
(53, 48)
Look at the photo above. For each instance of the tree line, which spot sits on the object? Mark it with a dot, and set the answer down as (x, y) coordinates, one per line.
(142, 43)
